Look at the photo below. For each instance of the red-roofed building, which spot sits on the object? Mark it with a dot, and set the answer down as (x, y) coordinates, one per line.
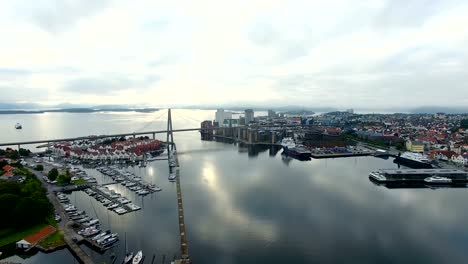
(442, 154)
(9, 170)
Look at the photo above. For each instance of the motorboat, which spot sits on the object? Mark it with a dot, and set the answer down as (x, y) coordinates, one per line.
(154, 188)
(18, 126)
(375, 175)
(112, 206)
(101, 235)
(437, 180)
(172, 176)
(138, 257)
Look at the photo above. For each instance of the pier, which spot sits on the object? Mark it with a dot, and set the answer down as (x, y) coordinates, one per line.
(172, 150)
(418, 176)
(69, 235)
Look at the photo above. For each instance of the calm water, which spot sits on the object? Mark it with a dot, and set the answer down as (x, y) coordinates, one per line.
(248, 206)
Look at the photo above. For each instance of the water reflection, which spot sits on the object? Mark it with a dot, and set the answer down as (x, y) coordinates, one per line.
(251, 205)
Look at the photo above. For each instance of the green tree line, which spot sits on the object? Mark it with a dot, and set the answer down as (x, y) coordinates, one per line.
(15, 154)
(23, 204)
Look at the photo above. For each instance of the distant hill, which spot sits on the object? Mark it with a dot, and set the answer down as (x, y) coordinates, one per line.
(439, 109)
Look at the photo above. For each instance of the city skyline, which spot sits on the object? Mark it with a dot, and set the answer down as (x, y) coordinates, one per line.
(377, 54)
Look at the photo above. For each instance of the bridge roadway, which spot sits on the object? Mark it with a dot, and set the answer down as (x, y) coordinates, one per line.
(42, 141)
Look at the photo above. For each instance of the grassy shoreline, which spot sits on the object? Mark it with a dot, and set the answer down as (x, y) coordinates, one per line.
(13, 236)
(53, 241)
(33, 190)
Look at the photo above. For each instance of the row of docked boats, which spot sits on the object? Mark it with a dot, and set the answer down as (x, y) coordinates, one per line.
(111, 200)
(129, 180)
(90, 228)
(80, 174)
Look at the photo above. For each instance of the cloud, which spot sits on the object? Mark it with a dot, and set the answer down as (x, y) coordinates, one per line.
(57, 16)
(108, 84)
(275, 52)
(12, 71)
(404, 14)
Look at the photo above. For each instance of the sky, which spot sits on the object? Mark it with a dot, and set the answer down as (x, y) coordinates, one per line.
(344, 54)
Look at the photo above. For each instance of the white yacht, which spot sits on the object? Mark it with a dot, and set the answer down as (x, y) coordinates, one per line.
(377, 176)
(138, 257)
(437, 180)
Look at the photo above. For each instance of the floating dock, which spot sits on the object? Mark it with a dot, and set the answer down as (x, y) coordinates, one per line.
(337, 155)
(107, 198)
(417, 176)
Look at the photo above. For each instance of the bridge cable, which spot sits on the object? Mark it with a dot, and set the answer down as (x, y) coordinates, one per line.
(189, 117)
(152, 121)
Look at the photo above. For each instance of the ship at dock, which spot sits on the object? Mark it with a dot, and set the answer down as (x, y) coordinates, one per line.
(413, 160)
(290, 148)
(421, 177)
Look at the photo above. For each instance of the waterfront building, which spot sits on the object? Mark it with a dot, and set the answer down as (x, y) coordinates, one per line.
(249, 116)
(415, 146)
(222, 115)
(272, 114)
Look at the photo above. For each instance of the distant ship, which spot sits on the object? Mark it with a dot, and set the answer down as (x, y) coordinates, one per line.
(413, 160)
(18, 126)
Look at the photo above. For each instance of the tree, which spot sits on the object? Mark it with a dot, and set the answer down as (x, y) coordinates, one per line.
(31, 211)
(9, 187)
(63, 179)
(464, 123)
(24, 152)
(400, 146)
(53, 173)
(8, 203)
(39, 167)
(12, 154)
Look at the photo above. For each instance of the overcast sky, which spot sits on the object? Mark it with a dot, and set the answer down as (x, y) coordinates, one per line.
(378, 54)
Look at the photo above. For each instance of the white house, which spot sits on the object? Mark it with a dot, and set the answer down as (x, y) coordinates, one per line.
(459, 159)
(23, 244)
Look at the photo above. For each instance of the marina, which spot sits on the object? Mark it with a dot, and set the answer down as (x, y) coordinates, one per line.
(87, 229)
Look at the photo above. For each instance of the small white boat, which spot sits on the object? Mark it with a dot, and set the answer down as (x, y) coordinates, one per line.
(112, 206)
(138, 257)
(128, 257)
(154, 188)
(172, 176)
(437, 180)
(18, 126)
(377, 176)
